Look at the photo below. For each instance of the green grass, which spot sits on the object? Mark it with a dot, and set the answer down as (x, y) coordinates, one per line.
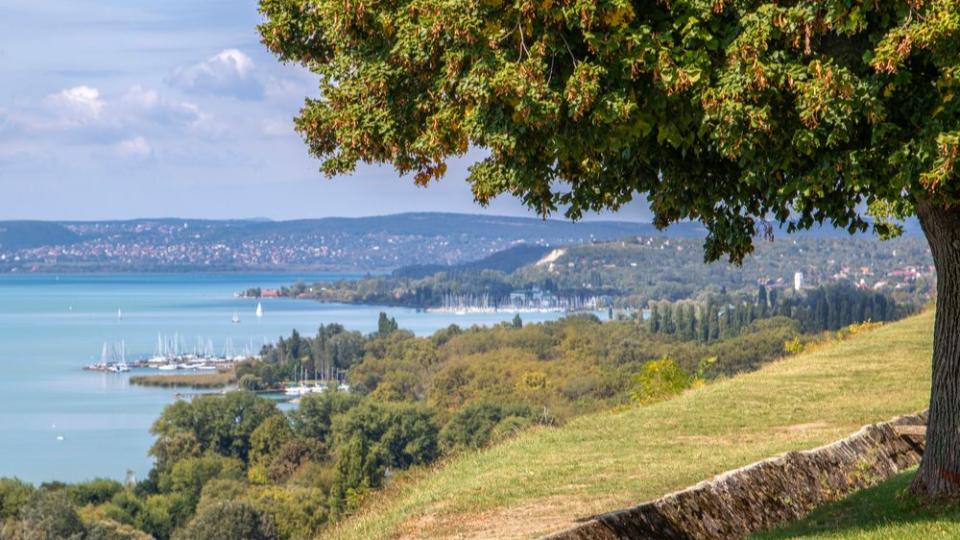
(544, 480)
(880, 512)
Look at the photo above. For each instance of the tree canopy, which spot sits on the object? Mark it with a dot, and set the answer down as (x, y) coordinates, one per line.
(728, 112)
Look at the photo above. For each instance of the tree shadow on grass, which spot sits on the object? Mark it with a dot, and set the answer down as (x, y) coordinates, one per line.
(883, 511)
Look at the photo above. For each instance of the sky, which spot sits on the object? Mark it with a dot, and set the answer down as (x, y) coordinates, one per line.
(115, 109)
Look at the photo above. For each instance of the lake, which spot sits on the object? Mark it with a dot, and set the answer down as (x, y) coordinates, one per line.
(58, 422)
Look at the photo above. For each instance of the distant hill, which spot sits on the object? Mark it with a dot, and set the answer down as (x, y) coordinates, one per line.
(417, 242)
(369, 244)
(505, 261)
(15, 235)
(425, 224)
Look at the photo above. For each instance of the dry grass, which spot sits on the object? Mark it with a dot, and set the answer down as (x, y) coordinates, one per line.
(218, 379)
(546, 479)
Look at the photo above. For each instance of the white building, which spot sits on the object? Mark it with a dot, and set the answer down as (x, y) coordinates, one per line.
(798, 281)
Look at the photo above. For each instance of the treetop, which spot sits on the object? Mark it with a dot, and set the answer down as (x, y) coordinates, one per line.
(739, 114)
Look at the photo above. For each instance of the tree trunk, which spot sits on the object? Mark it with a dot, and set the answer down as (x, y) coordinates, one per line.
(939, 473)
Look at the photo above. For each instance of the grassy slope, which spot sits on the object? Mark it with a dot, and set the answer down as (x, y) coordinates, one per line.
(543, 480)
(876, 513)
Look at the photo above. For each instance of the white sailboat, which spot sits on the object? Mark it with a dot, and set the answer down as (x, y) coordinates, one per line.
(119, 314)
(259, 310)
(104, 360)
(236, 317)
(123, 366)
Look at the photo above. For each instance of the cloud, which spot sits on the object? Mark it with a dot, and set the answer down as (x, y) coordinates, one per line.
(136, 148)
(79, 104)
(147, 105)
(86, 112)
(228, 73)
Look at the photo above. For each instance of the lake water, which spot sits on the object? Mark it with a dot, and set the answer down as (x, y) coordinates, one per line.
(50, 326)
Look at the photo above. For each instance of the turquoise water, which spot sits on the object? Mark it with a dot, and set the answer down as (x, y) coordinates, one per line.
(50, 326)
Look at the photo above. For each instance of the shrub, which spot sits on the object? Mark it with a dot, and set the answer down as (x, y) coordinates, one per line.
(250, 382)
(472, 426)
(580, 387)
(290, 457)
(162, 514)
(313, 418)
(228, 521)
(509, 427)
(97, 491)
(14, 495)
(108, 529)
(188, 477)
(50, 515)
(267, 439)
(296, 512)
(220, 490)
(659, 380)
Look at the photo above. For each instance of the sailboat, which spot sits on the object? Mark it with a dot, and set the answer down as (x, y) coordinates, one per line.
(259, 310)
(121, 366)
(236, 317)
(103, 364)
(120, 314)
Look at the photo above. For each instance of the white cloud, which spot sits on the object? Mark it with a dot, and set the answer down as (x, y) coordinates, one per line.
(83, 110)
(77, 104)
(229, 72)
(136, 147)
(148, 106)
(139, 96)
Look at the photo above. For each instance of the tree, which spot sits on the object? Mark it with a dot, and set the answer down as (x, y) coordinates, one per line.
(187, 477)
(50, 515)
(655, 325)
(741, 115)
(669, 325)
(268, 438)
(386, 325)
(517, 321)
(762, 300)
(228, 521)
(14, 496)
(472, 425)
(713, 316)
(221, 424)
(397, 435)
(313, 418)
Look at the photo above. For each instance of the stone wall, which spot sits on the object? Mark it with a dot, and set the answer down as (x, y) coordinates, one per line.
(763, 495)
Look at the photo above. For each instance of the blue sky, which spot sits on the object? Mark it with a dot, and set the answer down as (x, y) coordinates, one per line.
(136, 108)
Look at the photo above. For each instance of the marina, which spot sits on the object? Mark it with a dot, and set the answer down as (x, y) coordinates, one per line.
(172, 355)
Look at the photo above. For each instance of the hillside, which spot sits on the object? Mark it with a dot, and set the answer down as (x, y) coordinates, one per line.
(505, 261)
(422, 242)
(543, 481)
(367, 244)
(16, 235)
